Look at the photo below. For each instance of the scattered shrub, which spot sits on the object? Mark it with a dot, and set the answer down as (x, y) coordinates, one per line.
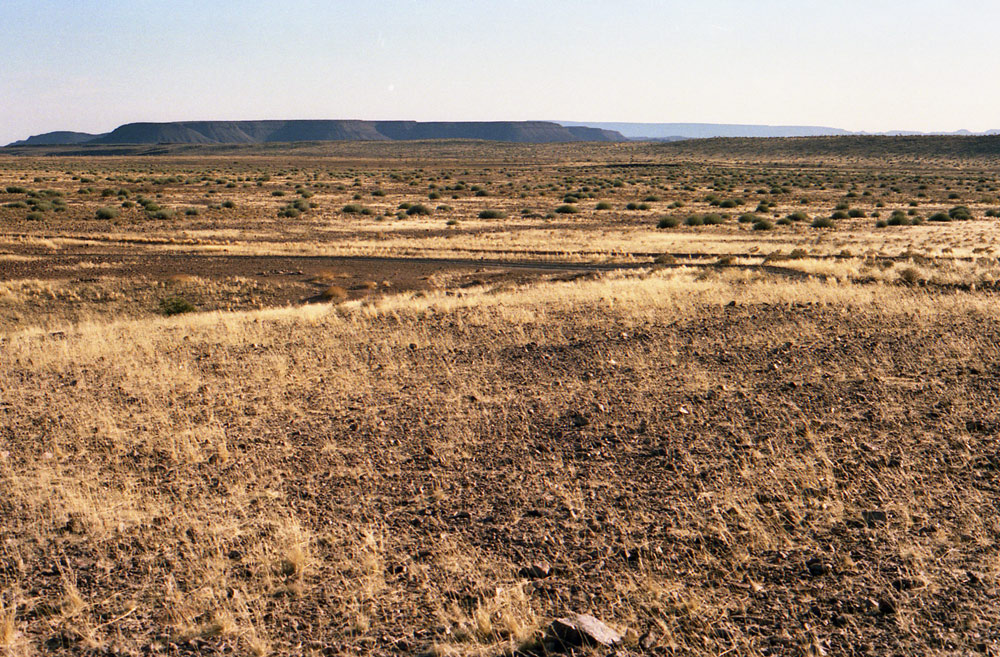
(106, 213)
(567, 209)
(668, 222)
(822, 222)
(492, 214)
(175, 306)
(228, 204)
(418, 209)
(602, 205)
(960, 213)
(762, 224)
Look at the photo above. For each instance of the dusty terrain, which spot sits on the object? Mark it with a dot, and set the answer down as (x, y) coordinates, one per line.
(378, 432)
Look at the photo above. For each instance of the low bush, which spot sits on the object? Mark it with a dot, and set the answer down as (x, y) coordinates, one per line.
(418, 209)
(668, 222)
(106, 213)
(492, 214)
(567, 209)
(175, 306)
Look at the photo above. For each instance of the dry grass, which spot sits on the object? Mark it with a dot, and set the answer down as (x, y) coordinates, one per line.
(767, 443)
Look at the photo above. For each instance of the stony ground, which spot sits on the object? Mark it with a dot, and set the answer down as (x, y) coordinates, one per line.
(785, 447)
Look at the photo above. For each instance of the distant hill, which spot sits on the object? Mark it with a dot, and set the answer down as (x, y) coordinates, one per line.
(677, 131)
(257, 132)
(56, 139)
(857, 146)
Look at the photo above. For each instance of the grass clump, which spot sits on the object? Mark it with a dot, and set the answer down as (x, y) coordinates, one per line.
(418, 209)
(762, 224)
(567, 209)
(175, 306)
(668, 222)
(106, 213)
(492, 214)
(822, 222)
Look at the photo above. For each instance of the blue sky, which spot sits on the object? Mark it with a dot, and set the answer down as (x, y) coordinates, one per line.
(862, 65)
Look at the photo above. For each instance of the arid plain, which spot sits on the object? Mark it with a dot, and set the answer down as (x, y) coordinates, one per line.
(727, 397)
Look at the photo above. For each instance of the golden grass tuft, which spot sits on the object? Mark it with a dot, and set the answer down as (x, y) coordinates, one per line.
(334, 293)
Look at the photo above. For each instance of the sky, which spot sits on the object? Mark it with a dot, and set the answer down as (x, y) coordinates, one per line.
(871, 65)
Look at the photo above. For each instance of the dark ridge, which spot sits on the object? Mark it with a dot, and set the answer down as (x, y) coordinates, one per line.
(866, 146)
(59, 138)
(256, 132)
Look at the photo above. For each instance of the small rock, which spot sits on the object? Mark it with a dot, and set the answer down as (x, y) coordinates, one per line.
(874, 518)
(537, 570)
(578, 420)
(584, 630)
(886, 607)
(817, 567)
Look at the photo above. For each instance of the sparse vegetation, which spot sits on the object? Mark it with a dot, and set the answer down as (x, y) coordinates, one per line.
(236, 434)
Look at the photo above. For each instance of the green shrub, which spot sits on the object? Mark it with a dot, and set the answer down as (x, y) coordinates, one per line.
(602, 205)
(290, 212)
(881, 223)
(492, 214)
(695, 220)
(352, 208)
(192, 212)
(14, 189)
(798, 216)
(175, 306)
(939, 217)
(567, 209)
(34, 216)
(228, 204)
(839, 214)
(762, 224)
(729, 203)
(631, 206)
(960, 213)
(106, 213)
(748, 218)
(668, 222)
(713, 219)
(856, 213)
(418, 209)
(822, 222)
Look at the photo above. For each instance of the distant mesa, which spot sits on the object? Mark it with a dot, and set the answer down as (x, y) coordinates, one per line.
(258, 132)
(60, 138)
